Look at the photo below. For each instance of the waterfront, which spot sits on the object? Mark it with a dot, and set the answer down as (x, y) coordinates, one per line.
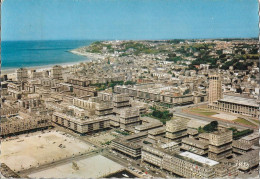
(16, 54)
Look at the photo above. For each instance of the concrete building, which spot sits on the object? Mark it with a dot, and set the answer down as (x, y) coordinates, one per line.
(81, 125)
(23, 123)
(247, 107)
(226, 169)
(252, 139)
(170, 146)
(158, 93)
(15, 90)
(56, 72)
(184, 164)
(204, 137)
(136, 137)
(215, 88)
(121, 100)
(157, 132)
(194, 146)
(80, 91)
(8, 111)
(176, 129)
(129, 117)
(220, 144)
(22, 75)
(127, 148)
(149, 126)
(193, 133)
(241, 147)
(94, 106)
(153, 155)
(247, 161)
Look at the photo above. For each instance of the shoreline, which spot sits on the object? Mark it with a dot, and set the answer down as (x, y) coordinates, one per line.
(91, 56)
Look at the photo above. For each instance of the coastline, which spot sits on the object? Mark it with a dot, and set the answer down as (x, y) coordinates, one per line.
(91, 56)
(87, 54)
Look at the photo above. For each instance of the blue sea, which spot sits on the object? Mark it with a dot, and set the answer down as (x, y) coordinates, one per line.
(16, 54)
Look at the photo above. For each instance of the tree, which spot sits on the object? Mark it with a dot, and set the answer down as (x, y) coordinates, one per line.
(211, 127)
(187, 91)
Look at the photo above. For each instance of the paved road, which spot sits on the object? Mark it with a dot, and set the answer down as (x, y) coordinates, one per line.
(133, 163)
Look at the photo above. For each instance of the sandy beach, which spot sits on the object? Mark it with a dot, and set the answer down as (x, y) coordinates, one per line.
(91, 56)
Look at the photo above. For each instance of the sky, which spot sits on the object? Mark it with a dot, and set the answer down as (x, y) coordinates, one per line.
(128, 19)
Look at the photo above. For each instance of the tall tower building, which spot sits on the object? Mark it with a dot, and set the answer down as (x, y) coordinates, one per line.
(215, 88)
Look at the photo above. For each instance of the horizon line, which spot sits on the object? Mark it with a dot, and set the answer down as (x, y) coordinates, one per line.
(163, 39)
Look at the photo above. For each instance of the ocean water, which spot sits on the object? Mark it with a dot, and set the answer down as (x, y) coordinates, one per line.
(16, 54)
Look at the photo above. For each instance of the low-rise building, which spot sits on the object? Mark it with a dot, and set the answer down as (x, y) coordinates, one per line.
(23, 122)
(148, 126)
(176, 129)
(81, 125)
(247, 161)
(157, 132)
(238, 105)
(185, 164)
(241, 147)
(251, 138)
(127, 148)
(220, 144)
(129, 117)
(194, 146)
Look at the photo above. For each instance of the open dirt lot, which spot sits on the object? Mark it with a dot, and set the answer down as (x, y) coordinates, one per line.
(93, 167)
(103, 137)
(39, 148)
(225, 116)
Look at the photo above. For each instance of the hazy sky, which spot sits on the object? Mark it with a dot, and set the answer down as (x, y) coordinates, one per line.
(128, 19)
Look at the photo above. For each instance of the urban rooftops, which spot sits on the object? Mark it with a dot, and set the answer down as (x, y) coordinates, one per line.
(199, 158)
(240, 100)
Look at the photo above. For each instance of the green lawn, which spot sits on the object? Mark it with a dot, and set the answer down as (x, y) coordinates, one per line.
(203, 111)
(243, 121)
(256, 121)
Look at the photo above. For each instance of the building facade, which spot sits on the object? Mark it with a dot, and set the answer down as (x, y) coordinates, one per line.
(215, 88)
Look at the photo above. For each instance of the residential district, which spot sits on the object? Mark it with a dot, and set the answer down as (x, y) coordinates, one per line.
(173, 108)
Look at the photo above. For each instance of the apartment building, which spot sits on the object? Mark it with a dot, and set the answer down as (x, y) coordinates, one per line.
(241, 147)
(23, 122)
(81, 125)
(176, 129)
(148, 126)
(157, 132)
(129, 117)
(194, 146)
(127, 148)
(247, 161)
(220, 144)
(184, 164)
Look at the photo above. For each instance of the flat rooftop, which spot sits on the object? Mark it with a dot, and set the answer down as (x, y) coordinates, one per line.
(199, 158)
(170, 144)
(251, 136)
(240, 100)
(194, 142)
